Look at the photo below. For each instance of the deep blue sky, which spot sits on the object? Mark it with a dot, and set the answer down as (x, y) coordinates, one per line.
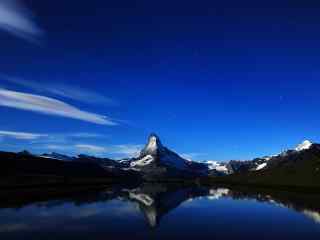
(216, 80)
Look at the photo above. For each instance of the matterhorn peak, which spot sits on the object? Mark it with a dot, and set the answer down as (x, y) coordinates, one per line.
(152, 146)
(304, 145)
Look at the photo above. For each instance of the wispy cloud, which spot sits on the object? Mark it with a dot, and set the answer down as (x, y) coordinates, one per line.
(50, 138)
(16, 19)
(68, 138)
(22, 135)
(62, 90)
(50, 106)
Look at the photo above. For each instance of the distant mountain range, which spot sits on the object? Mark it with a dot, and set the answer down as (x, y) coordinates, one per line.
(158, 163)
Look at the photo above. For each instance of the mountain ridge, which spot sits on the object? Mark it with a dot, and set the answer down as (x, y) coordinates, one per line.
(158, 163)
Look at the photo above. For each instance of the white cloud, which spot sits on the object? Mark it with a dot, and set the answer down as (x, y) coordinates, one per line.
(21, 135)
(62, 90)
(50, 106)
(16, 19)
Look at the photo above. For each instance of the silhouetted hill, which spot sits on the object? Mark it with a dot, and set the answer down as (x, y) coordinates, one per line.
(23, 169)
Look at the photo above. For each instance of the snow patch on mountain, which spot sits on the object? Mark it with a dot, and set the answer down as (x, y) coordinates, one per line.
(222, 168)
(304, 146)
(213, 165)
(153, 147)
(143, 161)
(261, 166)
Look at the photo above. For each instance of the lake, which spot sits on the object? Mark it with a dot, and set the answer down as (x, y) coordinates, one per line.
(159, 211)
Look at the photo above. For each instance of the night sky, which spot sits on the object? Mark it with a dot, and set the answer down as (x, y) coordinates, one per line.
(216, 80)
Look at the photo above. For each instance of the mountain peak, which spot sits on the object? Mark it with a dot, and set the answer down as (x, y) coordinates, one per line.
(156, 156)
(153, 145)
(304, 145)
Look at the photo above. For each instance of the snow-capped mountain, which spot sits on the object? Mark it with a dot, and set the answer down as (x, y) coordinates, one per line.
(155, 159)
(257, 164)
(155, 152)
(263, 163)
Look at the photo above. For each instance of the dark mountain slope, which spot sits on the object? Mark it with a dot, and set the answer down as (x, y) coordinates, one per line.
(295, 169)
(25, 169)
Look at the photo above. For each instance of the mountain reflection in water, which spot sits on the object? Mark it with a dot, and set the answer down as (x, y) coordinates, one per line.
(34, 211)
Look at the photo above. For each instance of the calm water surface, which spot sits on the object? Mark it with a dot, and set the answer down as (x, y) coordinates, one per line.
(155, 211)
